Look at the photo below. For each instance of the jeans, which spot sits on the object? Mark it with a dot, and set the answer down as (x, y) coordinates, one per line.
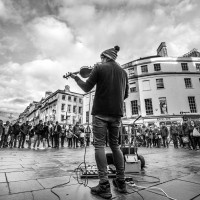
(100, 128)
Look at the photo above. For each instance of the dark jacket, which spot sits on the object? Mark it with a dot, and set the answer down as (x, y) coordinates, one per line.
(16, 129)
(57, 129)
(39, 129)
(164, 131)
(111, 88)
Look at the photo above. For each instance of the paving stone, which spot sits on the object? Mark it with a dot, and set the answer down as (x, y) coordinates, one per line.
(4, 189)
(51, 182)
(194, 178)
(21, 196)
(15, 170)
(44, 195)
(179, 189)
(19, 176)
(24, 186)
(2, 178)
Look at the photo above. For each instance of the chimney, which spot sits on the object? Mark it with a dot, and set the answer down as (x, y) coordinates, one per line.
(47, 93)
(162, 50)
(67, 88)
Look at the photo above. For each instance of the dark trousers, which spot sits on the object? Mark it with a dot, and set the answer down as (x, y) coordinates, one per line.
(69, 142)
(175, 141)
(165, 144)
(62, 141)
(52, 140)
(75, 141)
(22, 140)
(56, 137)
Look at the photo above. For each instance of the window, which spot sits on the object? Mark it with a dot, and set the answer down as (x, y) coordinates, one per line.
(80, 101)
(69, 108)
(188, 83)
(75, 99)
(148, 106)
(63, 97)
(131, 71)
(144, 69)
(74, 109)
(192, 104)
(184, 66)
(62, 118)
(80, 110)
(157, 67)
(159, 83)
(134, 107)
(198, 67)
(69, 98)
(63, 106)
(132, 87)
(146, 85)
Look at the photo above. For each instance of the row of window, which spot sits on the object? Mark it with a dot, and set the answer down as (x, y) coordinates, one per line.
(157, 67)
(163, 106)
(70, 98)
(159, 84)
(69, 108)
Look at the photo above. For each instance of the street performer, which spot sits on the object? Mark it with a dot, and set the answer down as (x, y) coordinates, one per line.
(111, 89)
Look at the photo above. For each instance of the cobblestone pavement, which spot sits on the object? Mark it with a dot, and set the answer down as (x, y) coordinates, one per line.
(32, 174)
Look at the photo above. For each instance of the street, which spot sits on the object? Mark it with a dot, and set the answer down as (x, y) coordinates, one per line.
(32, 174)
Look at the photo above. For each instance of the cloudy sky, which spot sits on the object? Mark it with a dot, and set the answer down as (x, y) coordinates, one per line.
(40, 40)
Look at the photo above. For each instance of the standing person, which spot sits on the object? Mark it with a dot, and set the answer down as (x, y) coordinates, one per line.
(7, 132)
(51, 136)
(63, 135)
(2, 131)
(31, 135)
(16, 131)
(57, 132)
(180, 135)
(25, 128)
(111, 89)
(174, 134)
(164, 133)
(196, 138)
(69, 135)
(76, 132)
(38, 133)
(46, 133)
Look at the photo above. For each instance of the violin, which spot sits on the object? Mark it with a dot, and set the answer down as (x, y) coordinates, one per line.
(84, 72)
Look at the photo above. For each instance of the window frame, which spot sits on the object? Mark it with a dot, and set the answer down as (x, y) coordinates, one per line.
(192, 105)
(188, 85)
(149, 111)
(144, 69)
(157, 67)
(134, 107)
(160, 83)
(183, 65)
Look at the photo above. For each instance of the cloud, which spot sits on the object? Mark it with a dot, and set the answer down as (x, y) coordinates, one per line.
(43, 40)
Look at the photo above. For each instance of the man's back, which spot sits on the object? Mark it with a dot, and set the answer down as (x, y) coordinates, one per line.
(111, 89)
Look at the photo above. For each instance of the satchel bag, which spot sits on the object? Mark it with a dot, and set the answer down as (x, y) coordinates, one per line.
(195, 133)
(185, 139)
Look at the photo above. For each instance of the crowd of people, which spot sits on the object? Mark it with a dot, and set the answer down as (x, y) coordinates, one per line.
(181, 135)
(43, 135)
(52, 135)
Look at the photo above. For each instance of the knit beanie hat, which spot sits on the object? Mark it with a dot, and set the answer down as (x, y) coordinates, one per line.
(111, 53)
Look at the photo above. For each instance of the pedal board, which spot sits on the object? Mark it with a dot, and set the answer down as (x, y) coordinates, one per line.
(92, 172)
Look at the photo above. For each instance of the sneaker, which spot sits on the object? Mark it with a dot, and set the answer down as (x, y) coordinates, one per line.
(120, 185)
(102, 190)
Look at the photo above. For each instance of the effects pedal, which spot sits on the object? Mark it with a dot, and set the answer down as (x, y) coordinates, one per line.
(92, 172)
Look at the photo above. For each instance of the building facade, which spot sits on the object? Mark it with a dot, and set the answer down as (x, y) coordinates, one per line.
(63, 106)
(163, 88)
